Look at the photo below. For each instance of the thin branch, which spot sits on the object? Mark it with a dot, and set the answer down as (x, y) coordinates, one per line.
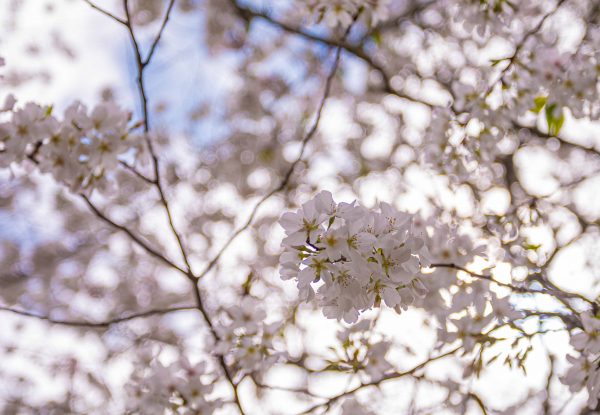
(311, 132)
(105, 12)
(355, 50)
(479, 402)
(391, 376)
(220, 358)
(153, 252)
(393, 23)
(308, 136)
(591, 150)
(547, 405)
(160, 32)
(303, 391)
(141, 65)
(102, 324)
(551, 289)
(570, 320)
(486, 277)
(136, 172)
(513, 58)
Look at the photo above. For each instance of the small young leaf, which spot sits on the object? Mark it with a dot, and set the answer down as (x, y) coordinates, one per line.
(538, 104)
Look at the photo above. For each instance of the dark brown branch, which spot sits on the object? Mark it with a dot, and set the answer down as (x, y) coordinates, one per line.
(393, 23)
(479, 402)
(303, 391)
(547, 405)
(486, 277)
(513, 58)
(307, 137)
(390, 376)
(589, 149)
(355, 50)
(159, 34)
(153, 252)
(550, 288)
(105, 12)
(136, 172)
(141, 65)
(101, 324)
(215, 335)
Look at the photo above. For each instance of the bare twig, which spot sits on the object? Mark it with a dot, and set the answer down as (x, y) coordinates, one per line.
(479, 402)
(485, 277)
(220, 358)
(101, 324)
(307, 137)
(547, 405)
(513, 58)
(550, 288)
(303, 391)
(282, 185)
(390, 376)
(160, 32)
(136, 172)
(153, 252)
(105, 12)
(356, 50)
(141, 65)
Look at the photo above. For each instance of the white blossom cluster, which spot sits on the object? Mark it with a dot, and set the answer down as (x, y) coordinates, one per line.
(355, 257)
(248, 339)
(342, 12)
(585, 368)
(179, 387)
(78, 150)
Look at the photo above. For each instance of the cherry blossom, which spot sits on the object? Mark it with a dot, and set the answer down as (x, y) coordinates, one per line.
(176, 248)
(360, 261)
(80, 150)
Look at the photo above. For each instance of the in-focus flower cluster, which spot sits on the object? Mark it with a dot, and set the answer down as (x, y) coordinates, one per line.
(585, 368)
(77, 150)
(354, 257)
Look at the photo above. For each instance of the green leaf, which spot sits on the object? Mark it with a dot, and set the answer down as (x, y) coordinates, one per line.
(550, 114)
(554, 123)
(376, 36)
(559, 123)
(247, 286)
(491, 360)
(331, 220)
(538, 104)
